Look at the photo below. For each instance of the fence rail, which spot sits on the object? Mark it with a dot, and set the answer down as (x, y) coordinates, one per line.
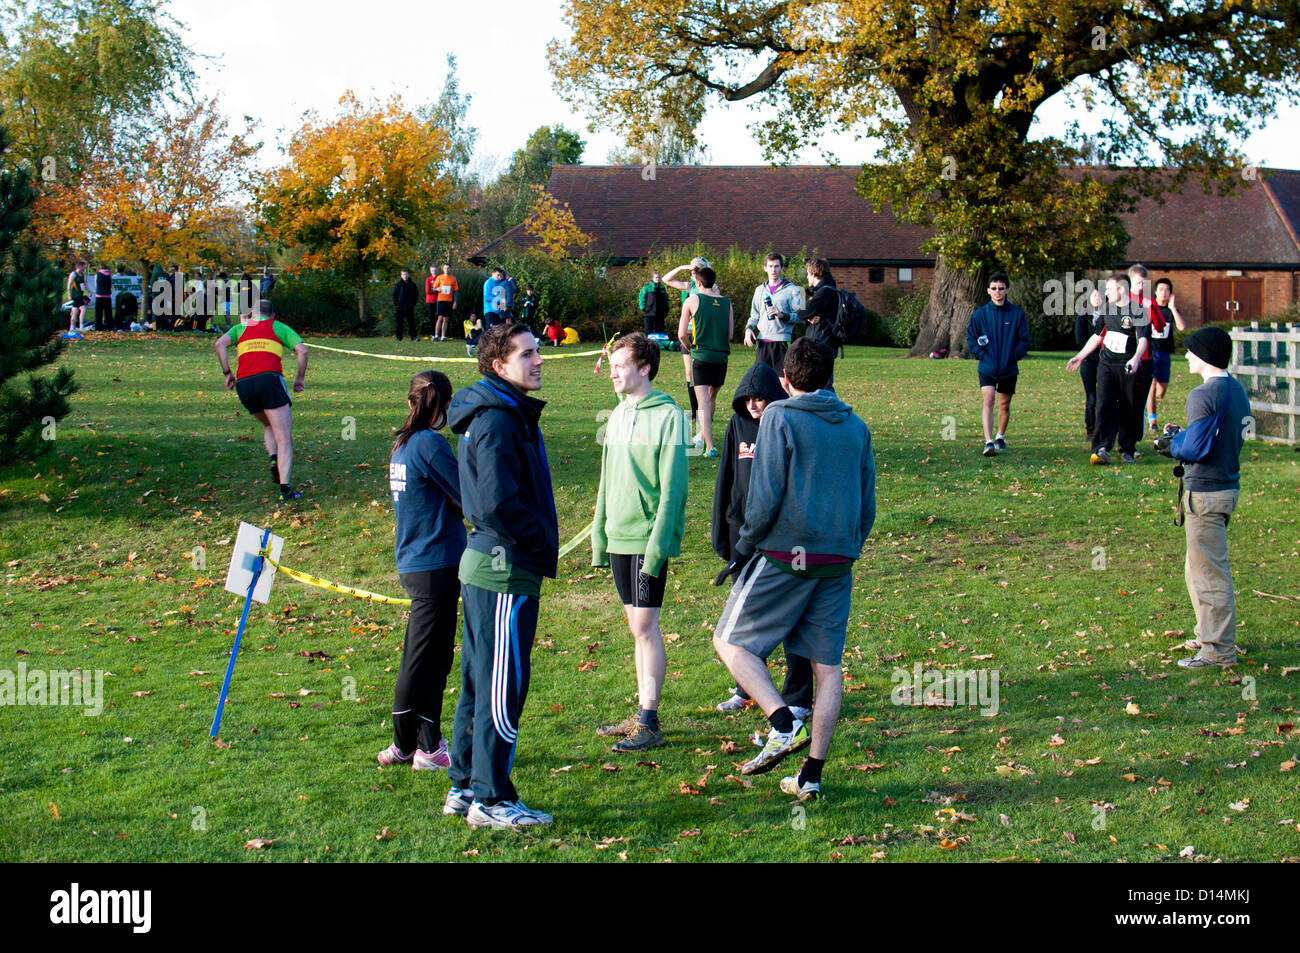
(1272, 354)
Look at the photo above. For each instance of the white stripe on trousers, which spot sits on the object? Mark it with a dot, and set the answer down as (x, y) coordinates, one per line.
(734, 617)
(501, 668)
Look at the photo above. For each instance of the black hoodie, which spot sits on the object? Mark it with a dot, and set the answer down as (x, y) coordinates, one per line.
(824, 305)
(505, 479)
(737, 457)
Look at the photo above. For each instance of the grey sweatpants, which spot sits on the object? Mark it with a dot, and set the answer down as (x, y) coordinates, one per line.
(1209, 578)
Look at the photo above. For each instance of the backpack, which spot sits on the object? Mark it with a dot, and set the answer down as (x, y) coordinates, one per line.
(850, 317)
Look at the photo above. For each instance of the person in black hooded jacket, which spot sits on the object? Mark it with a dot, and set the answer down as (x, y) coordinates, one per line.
(758, 388)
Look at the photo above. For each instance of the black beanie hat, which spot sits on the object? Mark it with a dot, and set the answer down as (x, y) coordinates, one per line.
(1213, 346)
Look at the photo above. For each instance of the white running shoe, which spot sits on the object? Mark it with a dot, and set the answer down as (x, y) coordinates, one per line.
(509, 815)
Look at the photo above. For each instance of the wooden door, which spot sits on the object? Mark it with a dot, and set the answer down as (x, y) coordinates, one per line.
(1231, 299)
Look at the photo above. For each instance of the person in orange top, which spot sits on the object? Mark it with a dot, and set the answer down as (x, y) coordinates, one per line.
(259, 344)
(440, 293)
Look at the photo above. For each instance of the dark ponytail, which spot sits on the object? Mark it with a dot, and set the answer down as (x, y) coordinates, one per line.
(428, 398)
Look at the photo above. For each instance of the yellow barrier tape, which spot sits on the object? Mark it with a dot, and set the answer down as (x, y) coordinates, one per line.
(444, 360)
(369, 596)
(333, 586)
(572, 544)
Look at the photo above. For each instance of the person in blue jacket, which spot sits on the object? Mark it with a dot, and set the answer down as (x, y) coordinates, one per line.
(998, 334)
(425, 483)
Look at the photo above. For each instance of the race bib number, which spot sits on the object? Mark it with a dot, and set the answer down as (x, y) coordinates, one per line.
(1115, 342)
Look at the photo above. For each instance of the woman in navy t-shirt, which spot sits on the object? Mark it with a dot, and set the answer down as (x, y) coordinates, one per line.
(425, 483)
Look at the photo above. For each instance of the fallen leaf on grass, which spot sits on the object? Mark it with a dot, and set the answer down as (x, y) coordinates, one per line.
(1132, 709)
(385, 834)
(867, 767)
(947, 844)
(197, 672)
(1055, 741)
(141, 694)
(588, 666)
(1187, 851)
(729, 746)
(1240, 805)
(1286, 728)
(1080, 764)
(647, 764)
(1071, 838)
(304, 692)
(611, 767)
(743, 782)
(693, 832)
(1287, 765)
(258, 843)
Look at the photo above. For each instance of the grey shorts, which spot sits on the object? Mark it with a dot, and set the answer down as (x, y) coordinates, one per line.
(768, 606)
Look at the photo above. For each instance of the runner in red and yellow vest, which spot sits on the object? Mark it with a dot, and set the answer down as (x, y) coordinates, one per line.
(259, 344)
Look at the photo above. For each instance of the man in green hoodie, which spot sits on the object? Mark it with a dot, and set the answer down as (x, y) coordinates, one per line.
(640, 518)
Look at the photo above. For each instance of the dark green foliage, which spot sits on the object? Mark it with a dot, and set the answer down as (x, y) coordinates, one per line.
(28, 323)
(901, 320)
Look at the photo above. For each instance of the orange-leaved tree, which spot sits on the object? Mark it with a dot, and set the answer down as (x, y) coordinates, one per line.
(359, 190)
(551, 222)
(174, 199)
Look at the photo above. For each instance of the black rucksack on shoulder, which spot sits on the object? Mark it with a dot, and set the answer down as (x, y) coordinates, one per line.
(850, 317)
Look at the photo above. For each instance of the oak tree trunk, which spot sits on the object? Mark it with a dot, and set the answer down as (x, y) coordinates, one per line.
(954, 296)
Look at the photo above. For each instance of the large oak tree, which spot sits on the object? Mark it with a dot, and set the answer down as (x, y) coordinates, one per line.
(950, 91)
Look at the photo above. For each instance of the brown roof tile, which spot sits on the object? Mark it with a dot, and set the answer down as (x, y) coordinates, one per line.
(817, 207)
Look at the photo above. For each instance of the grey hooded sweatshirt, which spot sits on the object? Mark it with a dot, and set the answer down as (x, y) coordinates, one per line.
(813, 482)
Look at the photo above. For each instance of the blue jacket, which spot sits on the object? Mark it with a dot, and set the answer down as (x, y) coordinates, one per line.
(425, 484)
(505, 479)
(813, 480)
(1217, 412)
(497, 292)
(1007, 329)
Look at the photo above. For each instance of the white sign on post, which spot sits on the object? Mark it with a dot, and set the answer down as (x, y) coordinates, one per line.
(247, 545)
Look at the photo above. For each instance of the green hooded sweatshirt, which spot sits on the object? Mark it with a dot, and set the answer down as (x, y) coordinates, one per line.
(641, 504)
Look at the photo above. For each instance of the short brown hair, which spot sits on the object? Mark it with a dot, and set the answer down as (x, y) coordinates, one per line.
(1136, 269)
(775, 256)
(1119, 276)
(644, 351)
(818, 267)
(497, 344)
(808, 365)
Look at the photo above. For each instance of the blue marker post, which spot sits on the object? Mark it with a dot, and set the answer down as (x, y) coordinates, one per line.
(239, 634)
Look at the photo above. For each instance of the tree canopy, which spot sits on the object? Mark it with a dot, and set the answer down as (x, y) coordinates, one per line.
(357, 191)
(950, 92)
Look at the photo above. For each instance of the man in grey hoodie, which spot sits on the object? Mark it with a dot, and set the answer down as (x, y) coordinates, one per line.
(794, 560)
(773, 312)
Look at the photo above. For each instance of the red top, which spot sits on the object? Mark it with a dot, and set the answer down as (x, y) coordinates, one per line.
(260, 345)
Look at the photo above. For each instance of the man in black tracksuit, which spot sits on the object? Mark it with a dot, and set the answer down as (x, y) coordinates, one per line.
(405, 293)
(506, 494)
(822, 309)
(1123, 334)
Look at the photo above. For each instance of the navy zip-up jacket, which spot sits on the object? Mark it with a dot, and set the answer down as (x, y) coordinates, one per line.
(505, 479)
(1007, 329)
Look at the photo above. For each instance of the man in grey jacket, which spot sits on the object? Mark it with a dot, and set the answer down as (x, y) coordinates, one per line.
(794, 559)
(773, 312)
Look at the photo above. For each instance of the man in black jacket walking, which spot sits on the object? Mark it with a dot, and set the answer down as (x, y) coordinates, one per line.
(506, 494)
(405, 294)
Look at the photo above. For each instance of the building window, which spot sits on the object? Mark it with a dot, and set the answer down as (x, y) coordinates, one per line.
(904, 276)
(876, 276)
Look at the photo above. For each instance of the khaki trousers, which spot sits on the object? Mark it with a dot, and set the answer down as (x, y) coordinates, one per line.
(1209, 578)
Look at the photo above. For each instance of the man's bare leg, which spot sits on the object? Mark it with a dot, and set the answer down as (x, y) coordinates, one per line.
(1004, 413)
(986, 412)
(751, 674)
(704, 418)
(826, 707)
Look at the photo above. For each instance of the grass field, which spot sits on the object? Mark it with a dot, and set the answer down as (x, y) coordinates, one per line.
(1102, 749)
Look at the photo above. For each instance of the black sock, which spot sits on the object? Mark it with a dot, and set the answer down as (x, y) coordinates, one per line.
(648, 717)
(285, 488)
(782, 720)
(811, 772)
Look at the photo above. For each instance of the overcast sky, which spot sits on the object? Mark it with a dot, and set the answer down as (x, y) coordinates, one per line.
(275, 59)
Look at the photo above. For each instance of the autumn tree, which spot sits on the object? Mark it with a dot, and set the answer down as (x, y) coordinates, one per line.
(950, 91)
(79, 78)
(178, 197)
(507, 200)
(358, 190)
(551, 222)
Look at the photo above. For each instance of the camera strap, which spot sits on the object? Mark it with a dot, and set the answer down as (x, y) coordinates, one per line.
(1180, 516)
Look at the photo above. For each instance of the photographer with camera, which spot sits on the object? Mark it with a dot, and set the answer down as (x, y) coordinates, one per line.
(1218, 412)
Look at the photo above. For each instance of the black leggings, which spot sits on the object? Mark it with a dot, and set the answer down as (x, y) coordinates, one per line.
(1088, 371)
(426, 658)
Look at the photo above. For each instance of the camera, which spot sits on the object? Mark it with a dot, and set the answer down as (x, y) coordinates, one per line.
(1162, 442)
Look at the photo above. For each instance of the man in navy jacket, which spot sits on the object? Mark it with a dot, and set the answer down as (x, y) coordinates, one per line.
(998, 334)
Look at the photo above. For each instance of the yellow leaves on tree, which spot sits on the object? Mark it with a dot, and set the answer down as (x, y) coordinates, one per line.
(551, 222)
(173, 199)
(359, 190)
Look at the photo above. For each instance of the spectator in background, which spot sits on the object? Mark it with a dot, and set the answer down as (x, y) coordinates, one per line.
(498, 299)
(104, 299)
(528, 309)
(267, 284)
(823, 307)
(440, 294)
(653, 302)
(1162, 348)
(405, 294)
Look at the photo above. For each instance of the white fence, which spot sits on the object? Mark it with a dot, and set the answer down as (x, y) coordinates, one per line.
(1267, 362)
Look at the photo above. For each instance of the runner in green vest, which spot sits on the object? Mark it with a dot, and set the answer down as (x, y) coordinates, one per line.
(707, 325)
